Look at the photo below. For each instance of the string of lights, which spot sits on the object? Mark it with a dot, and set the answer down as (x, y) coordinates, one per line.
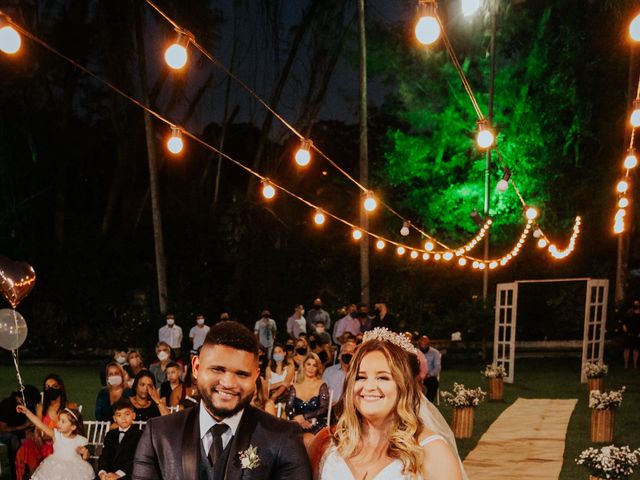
(630, 161)
(269, 187)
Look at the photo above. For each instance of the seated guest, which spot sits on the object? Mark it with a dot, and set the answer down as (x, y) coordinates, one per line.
(318, 346)
(119, 356)
(172, 372)
(309, 397)
(134, 360)
(334, 376)
(163, 352)
(146, 400)
(279, 374)
(110, 394)
(186, 394)
(13, 424)
(261, 400)
(301, 351)
(116, 460)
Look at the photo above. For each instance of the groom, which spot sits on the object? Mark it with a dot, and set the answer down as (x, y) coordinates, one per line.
(213, 441)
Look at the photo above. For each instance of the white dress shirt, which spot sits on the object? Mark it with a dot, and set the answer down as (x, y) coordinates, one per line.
(207, 421)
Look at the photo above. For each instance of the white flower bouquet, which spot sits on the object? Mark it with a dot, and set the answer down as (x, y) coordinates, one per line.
(494, 371)
(615, 463)
(605, 400)
(463, 397)
(595, 370)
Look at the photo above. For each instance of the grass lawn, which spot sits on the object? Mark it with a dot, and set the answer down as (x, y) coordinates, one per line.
(534, 378)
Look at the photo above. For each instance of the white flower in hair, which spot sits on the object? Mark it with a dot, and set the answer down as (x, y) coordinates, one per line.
(386, 335)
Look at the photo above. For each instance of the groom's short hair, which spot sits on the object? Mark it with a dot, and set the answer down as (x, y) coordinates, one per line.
(234, 335)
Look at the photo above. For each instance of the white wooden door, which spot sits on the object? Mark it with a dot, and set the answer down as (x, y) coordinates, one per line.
(595, 319)
(504, 333)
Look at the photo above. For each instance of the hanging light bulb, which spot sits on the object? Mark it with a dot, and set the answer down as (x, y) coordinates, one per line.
(622, 186)
(542, 243)
(356, 234)
(537, 233)
(268, 191)
(531, 213)
(447, 256)
(635, 114)
(428, 245)
(176, 55)
(10, 39)
(469, 7)
(175, 143)
(414, 255)
(462, 261)
(319, 218)
(437, 257)
(485, 137)
(503, 184)
(428, 27)
(404, 231)
(380, 244)
(303, 155)
(370, 202)
(634, 29)
(400, 251)
(623, 202)
(425, 256)
(631, 161)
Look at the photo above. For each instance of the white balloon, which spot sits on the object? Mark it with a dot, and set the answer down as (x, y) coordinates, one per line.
(13, 329)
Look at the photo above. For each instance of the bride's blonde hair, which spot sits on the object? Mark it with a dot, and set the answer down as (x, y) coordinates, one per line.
(406, 426)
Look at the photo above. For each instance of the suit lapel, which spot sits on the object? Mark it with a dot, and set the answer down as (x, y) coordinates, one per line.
(241, 441)
(191, 444)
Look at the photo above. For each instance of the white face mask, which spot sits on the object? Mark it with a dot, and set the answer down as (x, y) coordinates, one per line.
(170, 321)
(162, 356)
(200, 321)
(320, 329)
(114, 380)
(120, 359)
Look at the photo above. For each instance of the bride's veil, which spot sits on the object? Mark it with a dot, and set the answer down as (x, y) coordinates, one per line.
(433, 420)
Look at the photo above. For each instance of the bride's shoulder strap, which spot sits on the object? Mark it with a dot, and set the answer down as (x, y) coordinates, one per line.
(431, 438)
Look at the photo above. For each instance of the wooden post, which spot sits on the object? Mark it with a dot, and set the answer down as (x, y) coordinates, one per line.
(595, 384)
(496, 388)
(462, 422)
(602, 425)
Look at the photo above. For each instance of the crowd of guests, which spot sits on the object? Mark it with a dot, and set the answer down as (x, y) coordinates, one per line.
(302, 374)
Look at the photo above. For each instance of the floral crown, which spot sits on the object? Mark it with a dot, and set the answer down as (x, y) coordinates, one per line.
(386, 335)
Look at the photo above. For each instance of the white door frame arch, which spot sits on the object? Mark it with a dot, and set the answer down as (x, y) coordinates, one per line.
(506, 314)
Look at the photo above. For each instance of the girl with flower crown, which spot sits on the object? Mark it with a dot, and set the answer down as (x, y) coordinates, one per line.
(381, 434)
(69, 447)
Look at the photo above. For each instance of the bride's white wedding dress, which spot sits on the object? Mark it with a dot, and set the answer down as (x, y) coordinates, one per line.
(335, 467)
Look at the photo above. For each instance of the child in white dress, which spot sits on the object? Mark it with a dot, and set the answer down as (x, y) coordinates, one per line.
(69, 447)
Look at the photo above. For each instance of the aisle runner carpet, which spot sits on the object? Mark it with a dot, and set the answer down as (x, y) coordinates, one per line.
(525, 442)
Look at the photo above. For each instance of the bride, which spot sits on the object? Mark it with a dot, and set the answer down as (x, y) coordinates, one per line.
(380, 435)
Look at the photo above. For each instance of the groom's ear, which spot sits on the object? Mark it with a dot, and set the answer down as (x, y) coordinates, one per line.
(195, 366)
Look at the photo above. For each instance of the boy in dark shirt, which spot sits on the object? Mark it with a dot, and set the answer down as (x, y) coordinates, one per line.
(120, 444)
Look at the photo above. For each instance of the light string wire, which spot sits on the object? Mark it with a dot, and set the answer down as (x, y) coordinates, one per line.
(206, 145)
(293, 130)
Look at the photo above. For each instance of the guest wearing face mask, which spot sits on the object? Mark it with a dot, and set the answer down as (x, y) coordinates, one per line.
(279, 374)
(317, 314)
(296, 324)
(171, 334)
(197, 334)
(334, 376)
(322, 349)
(301, 350)
(119, 357)
(265, 331)
(114, 391)
(163, 353)
(134, 359)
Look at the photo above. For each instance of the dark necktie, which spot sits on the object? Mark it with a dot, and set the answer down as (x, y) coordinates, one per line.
(216, 446)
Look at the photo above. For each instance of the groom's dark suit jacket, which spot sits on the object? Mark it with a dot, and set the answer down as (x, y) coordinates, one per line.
(170, 448)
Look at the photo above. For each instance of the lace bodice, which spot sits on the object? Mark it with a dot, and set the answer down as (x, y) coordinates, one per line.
(334, 466)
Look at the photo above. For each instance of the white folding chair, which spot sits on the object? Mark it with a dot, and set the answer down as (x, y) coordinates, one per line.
(95, 433)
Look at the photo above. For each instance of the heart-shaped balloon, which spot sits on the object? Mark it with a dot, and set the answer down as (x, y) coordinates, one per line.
(16, 280)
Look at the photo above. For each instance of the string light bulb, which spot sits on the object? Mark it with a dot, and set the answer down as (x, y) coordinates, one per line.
(634, 119)
(531, 213)
(485, 136)
(428, 27)
(176, 54)
(175, 143)
(380, 244)
(268, 191)
(469, 7)
(400, 251)
(303, 155)
(622, 186)
(631, 160)
(447, 256)
(425, 256)
(404, 231)
(623, 202)
(10, 39)
(428, 245)
(542, 243)
(414, 254)
(462, 261)
(503, 184)
(370, 203)
(356, 234)
(319, 218)
(634, 29)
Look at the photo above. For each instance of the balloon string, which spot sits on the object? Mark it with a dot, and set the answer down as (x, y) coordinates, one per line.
(14, 353)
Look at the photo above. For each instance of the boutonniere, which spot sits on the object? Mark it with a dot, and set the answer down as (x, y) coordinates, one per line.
(249, 458)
